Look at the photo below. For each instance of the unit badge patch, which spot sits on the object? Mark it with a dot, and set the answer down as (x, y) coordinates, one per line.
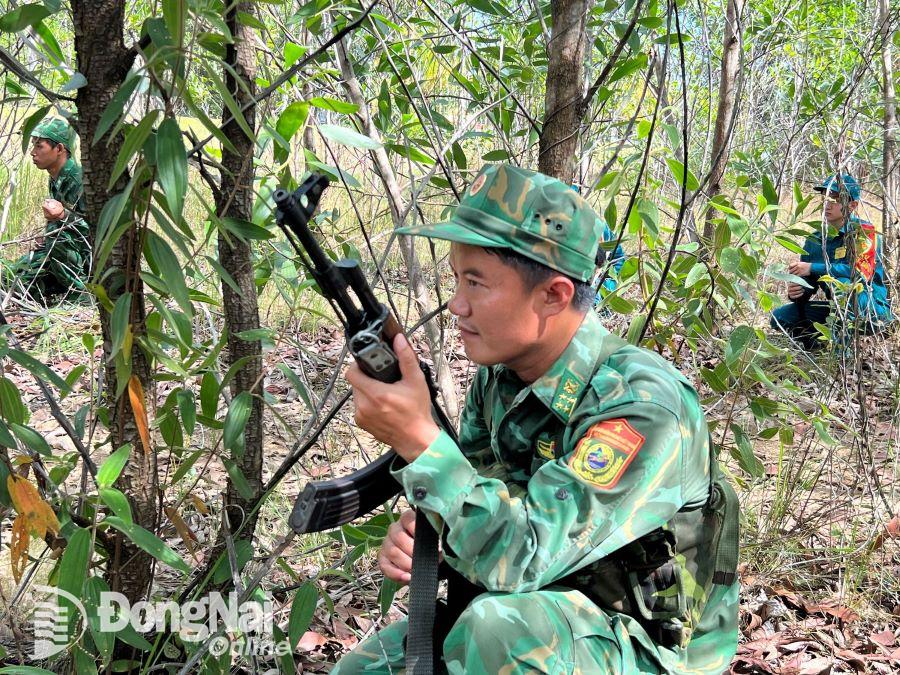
(603, 454)
(545, 447)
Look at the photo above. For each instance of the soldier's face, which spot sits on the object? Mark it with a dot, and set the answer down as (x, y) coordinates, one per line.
(499, 318)
(45, 154)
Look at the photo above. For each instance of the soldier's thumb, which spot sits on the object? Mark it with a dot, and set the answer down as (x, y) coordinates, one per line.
(409, 362)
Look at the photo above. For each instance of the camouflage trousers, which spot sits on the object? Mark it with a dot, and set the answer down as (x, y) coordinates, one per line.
(546, 631)
(52, 271)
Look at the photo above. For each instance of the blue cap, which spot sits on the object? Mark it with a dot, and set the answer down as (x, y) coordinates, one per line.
(843, 183)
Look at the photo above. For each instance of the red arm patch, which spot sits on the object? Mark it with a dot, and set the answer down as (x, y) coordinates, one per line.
(866, 246)
(603, 454)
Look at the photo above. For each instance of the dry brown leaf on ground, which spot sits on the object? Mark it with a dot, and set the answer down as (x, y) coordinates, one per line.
(310, 640)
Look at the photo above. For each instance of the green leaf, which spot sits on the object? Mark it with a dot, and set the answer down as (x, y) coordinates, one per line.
(698, 271)
(185, 466)
(134, 141)
(72, 571)
(32, 439)
(298, 384)
(94, 588)
(245, 229)
(412, 153)
(289, 122)
(119, 323)
(24, 670)
(118, 503)
(740, 338)
(677, 169)
(50, 44)
(74, 375)
(349, 137)
(209, 394)
(328, 103)
(148, 542)
(116, 106)
(237, 479)
(171, 165)
(187, 409)
(39, 370)
(236, 419)
(29, 125)
(109, 472)
(23, 17)
(302, 609)
(175, 16)
(386, 594)
(12, 409)
(243, 551)
(730, 259)
(171, 271)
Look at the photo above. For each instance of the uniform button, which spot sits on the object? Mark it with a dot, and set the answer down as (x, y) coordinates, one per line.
(419, 493)
(562, 493)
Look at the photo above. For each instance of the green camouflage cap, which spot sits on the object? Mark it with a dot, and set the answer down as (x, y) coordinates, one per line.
(539, 217)
(55, 129)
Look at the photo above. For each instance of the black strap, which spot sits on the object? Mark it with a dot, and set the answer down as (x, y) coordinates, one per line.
(423, 589)
(423, 586)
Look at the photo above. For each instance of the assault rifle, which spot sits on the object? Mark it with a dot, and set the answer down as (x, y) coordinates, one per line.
(370, 329)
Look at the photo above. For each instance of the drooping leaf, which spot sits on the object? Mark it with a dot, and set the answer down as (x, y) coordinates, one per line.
(149, 542)
(302, 609)
(171, 165)
(73, 569)
(29, 125)
(109, 472)
(238, 479)
(136, 397)
(236, 419)
(23, 17)
(171, 271)
(118, 503)
(134, 141)
(349, 137)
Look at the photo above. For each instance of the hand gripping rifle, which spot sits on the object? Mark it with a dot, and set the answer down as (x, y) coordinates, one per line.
(370, 329)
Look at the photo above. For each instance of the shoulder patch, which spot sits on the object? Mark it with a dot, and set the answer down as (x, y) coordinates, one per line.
(603, 454)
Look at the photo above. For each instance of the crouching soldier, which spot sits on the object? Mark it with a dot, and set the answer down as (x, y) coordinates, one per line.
(848, 250)
(61, 262)
(583, 498)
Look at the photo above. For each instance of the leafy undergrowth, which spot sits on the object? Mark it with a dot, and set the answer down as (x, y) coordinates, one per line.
(820, 581)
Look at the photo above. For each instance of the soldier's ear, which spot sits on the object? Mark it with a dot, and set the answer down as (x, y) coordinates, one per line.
(557, 294)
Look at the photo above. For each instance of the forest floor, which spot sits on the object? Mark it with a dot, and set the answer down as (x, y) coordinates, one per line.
(819, 584)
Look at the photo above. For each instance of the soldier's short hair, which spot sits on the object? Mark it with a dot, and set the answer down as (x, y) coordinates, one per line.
(534, 273)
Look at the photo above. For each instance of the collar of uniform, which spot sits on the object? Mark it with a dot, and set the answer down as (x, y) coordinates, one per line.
(561, 386)
(67, 169)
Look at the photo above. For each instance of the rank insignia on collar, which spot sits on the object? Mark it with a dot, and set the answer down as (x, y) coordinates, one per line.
(567, 393)
(603, 454)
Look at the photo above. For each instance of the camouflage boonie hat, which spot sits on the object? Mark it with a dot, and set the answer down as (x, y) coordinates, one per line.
(539, 217)
(57, 130)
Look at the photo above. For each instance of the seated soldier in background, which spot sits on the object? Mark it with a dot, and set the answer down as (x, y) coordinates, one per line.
(61, 261)
(849, 251)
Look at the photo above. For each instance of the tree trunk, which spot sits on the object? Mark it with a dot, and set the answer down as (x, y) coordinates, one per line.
(731, 52)
(105, 61)
(235, 200)
(417, 282)
(562, 101)
(891, 188)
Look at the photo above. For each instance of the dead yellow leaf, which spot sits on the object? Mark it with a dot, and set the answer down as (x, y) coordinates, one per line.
(18, 547)
(38, 515)
(136, 396)
(35, 519)
(199, 505)
(184, 531)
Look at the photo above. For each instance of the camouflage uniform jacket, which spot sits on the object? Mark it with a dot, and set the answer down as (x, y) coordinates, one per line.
(67, 188)
(552, 481)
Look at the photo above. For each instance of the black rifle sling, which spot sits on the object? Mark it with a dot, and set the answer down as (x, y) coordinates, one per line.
(423, 586)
